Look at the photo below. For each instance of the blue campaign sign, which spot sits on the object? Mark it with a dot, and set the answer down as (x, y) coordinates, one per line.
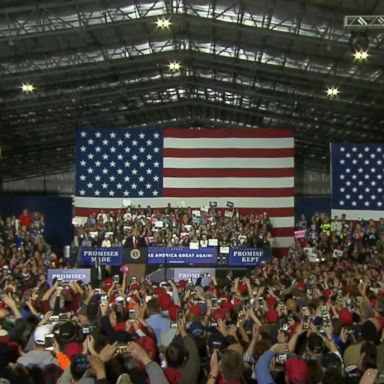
(249, 257)
(158, 255)
(105, 256)
(82, 274)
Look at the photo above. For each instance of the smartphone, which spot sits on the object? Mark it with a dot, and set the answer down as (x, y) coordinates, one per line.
(104, 300)
(63, 317)
(49, 340)
(116, 278)
(122, 349)
(217, 345)
(284, 327)
(324, 310)
(173, 324)
(87, 330)
(54, 318)
(281, 359)
(213, 324)
(306, 322)
(180, 315)
(132, 314)
(326, 321)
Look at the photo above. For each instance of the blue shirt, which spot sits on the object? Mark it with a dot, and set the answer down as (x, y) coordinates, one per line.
(159, 324)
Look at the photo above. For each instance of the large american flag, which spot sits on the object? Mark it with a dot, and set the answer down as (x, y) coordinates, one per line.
(188, 167)
(358, 180)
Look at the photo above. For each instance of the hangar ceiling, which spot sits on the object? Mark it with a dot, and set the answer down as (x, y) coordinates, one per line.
(247, 63)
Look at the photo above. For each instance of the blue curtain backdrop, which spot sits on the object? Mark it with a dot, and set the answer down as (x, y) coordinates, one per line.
(308, 205)
(57, 211)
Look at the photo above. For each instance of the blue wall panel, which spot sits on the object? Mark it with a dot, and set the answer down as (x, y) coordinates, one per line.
(311, 204)
(57, 212)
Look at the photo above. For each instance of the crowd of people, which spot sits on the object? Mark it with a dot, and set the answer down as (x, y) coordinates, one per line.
(296, 320)
(172, 227)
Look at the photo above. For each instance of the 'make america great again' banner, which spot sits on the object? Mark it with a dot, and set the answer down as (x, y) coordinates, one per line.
(158, 255)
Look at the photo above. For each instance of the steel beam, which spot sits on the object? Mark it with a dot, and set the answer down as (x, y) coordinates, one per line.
(364, 22)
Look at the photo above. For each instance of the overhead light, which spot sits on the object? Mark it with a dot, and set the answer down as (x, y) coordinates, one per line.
(174, 66)
(360, 55)
(163, 23)
(332, 91)
(27, 88)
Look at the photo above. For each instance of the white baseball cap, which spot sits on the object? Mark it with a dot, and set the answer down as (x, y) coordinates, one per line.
(40, 333)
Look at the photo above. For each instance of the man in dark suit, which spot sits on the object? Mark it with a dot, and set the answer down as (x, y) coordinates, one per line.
(135, 241)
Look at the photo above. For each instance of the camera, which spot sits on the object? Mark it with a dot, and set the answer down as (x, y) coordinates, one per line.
(173, 325)
(54, 318)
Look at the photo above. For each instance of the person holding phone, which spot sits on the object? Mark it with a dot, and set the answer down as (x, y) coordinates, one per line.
(39, 356)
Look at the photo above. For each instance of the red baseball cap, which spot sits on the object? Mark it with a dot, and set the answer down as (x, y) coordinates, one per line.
(165, 301)
(243, 289)
(172, 311)
(271, 301)
(195, 310)
(218, 313)
(296, 371)
(345, 317)
(108, 282)
(272, 316)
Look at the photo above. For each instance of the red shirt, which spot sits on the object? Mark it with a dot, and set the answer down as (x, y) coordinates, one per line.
(26, 220)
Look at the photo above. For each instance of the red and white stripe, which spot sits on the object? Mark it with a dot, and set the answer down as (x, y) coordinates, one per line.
(253, 168)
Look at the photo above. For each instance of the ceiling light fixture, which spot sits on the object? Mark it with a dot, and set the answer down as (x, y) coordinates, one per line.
(332, 91)
(27, 88)
(174, 66)
(163, 23)
(360, 55)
